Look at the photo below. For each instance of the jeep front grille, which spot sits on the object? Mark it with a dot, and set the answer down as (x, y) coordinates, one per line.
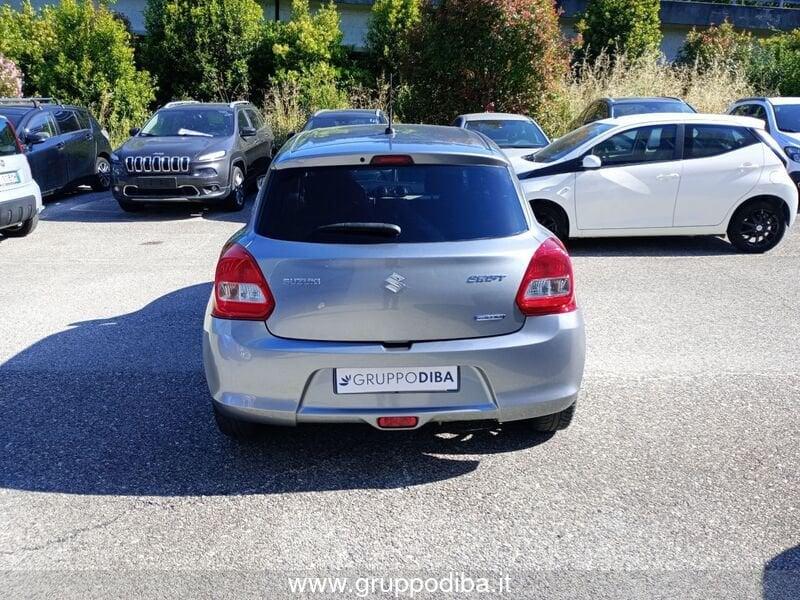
(157, 164)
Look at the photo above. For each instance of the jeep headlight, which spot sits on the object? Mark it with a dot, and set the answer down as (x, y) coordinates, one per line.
(211, 156)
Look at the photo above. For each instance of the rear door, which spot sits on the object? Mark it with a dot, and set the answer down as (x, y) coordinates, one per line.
(262, 144)
(450, 270)
(47, 159)
(722, 164)
(78, 140)
(636, 186)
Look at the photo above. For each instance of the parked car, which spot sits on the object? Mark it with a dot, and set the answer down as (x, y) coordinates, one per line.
(666, 174)
(781, 117)
(193, 152)
(394, 280)
(65, 145)
(20, 197)
(612, 108)
(348, 116)
(517, 135)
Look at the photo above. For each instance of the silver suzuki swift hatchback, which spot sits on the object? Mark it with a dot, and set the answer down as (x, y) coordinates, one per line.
(395, 277)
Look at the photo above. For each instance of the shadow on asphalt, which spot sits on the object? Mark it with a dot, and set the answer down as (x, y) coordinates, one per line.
(120, 406)
(781, 578)
(651, 246)
(84, 206)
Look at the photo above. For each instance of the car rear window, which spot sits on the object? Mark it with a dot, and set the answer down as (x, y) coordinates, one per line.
(428, 203)
(638, 108)
(8, 141)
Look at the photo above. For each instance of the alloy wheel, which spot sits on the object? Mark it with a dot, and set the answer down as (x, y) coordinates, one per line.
(759, 228)
(103, 169)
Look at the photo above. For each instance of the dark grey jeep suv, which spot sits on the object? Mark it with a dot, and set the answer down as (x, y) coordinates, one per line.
(193, 152)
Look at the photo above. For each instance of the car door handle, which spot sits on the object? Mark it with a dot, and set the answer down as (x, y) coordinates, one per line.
(747, 165)
(60, 145)
(665, 176)
(89, 136)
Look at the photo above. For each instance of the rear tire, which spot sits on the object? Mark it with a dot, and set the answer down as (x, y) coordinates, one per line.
(23, 229)
(552, 218)
(555, 422)
(235, 200)
(130, 207)
(102, 175)
(757, 227)
(235, 428)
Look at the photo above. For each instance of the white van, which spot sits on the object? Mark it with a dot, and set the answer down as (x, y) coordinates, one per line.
(20, 197)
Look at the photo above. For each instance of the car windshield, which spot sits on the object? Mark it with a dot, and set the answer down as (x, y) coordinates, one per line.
(8, 141)
(321, 121)
(787, 117)
(566, 144)
(373, 204)
(209, 122)
(641, 108)
(510, 133)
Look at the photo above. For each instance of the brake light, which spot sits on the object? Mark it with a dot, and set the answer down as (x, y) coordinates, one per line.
(240, 290)
(391, 160)
(548, 287)
(397, 422)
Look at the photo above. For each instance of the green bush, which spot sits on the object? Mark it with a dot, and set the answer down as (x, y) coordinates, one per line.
(630, 27)
(390, 23)
(202, 49)
(775, 64)
(716, 45)
(466, 55)
(79, 52)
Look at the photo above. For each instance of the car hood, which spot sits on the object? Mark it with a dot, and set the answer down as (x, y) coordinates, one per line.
(169, 146)
(515, 157)
(793, 138)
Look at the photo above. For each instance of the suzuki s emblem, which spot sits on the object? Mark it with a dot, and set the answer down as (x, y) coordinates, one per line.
(395, 283)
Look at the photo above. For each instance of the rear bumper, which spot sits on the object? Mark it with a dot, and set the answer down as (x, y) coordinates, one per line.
(21, 206)
(255, 376)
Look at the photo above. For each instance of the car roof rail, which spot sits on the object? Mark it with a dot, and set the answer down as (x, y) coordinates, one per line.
(179, 103)
(238, 103)
(36, 101)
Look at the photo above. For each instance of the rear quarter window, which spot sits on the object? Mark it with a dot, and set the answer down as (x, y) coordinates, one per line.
(429, 203)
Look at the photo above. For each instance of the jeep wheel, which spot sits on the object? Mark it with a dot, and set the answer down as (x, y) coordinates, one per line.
(235, 200)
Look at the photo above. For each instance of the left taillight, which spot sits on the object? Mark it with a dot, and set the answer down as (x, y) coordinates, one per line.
(548, 286)
(240, 290)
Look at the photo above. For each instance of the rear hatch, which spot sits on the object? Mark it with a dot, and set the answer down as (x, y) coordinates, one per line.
(393, 254)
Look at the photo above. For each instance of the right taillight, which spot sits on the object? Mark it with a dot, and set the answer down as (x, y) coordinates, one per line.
(240, 290)
(548, 285)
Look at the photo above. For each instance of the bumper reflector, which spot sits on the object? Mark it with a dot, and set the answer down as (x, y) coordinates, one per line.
(397, 422)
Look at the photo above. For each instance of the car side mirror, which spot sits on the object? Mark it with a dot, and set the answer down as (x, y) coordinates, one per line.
(133, 131)
(37, 137)
(246, 132)
(590, 161)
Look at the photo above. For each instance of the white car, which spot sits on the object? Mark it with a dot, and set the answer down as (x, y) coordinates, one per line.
(517, 135)
(20, 197)
(781, 117)
(665, 174)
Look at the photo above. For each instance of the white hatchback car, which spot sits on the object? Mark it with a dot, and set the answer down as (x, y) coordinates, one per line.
(20, 197)
(517, 135)
(665, 174)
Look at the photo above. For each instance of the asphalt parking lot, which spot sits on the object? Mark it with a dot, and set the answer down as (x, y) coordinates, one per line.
(679, 478)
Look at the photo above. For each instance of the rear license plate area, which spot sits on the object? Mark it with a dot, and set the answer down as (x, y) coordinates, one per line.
(390, 380)
(11, 178)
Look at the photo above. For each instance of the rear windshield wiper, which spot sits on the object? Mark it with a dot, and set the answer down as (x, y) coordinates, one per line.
(388, 230)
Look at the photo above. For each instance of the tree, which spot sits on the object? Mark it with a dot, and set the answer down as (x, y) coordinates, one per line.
(632, 27)
(465, 55)
(390, 23)
(79, 52)
(202, 49)
(717, 45)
